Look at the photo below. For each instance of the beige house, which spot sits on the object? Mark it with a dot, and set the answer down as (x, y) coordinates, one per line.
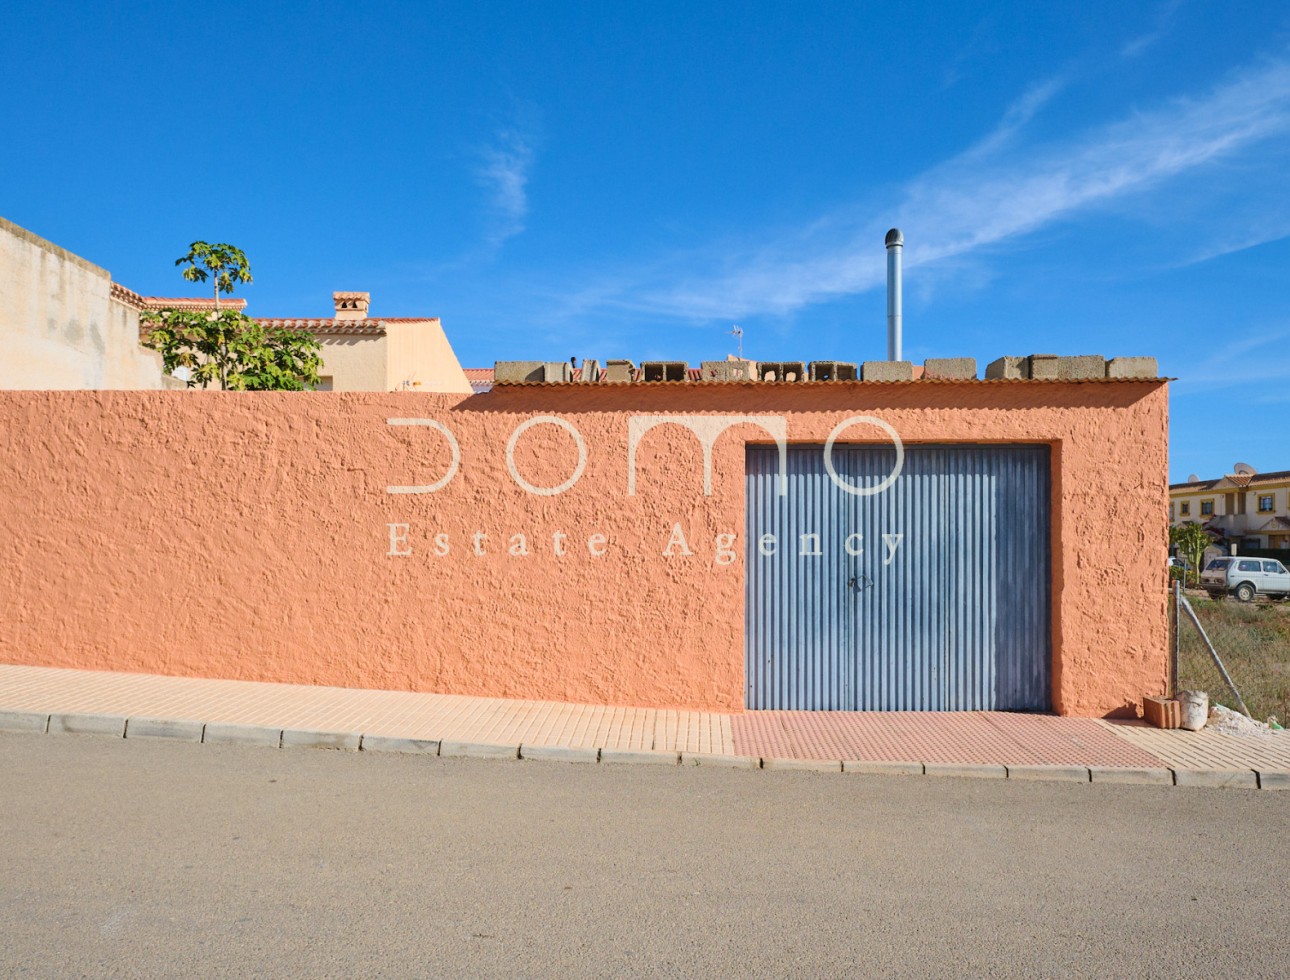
(365, 353)
(1245, 508)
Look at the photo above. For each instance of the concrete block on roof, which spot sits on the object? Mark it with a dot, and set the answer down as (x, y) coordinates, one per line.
(959, 368)
(557, 372)
(619, 371)
(1008, 367)
(1055, 368)
(887, 371)
(781, 371)
(831, 371)
(512, 371)
(728, 370)
(590, 370)
(1132, 367)
(665, 371)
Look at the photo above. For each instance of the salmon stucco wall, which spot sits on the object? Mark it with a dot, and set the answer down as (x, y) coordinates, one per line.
(253, 535)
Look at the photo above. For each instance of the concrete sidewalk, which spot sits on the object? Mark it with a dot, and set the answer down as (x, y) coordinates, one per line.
(978, 744)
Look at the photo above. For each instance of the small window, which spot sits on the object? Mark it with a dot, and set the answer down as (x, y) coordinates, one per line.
(1218, 564)
(1206, 508)
(1186, 507)
(1249, 566)
(1273, 566)
(1171, 512)
(1265, 503)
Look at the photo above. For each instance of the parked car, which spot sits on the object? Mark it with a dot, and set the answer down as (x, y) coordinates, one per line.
(1245, 578)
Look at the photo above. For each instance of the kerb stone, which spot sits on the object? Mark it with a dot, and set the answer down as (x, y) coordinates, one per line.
(478, 750)
(173, 728)
(307, 739)
(33, 722)
(1217, 778)
(1065, 774)
(221, 733)
(385, 743)
(559, 753)
(78, 724)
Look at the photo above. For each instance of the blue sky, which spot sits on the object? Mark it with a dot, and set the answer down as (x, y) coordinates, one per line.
(630, 180)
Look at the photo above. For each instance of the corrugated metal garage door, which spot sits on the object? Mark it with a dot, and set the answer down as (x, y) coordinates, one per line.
(932, 595)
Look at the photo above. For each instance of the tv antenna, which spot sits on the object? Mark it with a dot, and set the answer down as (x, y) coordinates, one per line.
(738, 332)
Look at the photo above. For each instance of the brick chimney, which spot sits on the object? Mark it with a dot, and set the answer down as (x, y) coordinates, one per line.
(351, 306)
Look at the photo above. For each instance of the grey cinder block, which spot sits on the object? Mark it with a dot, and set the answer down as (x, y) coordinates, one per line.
(512, 371)
(887, 371)
(729, 370)
(1131, 775)
(385, 743)
(34, 722)
(478, 750)
(1012, 368)
(958, 368)
(590, 370)
(179, 729)
(222, 733)
(882, 768)
(557, 372)
(831, 371)
(1066, 774)
(665, 371)
(1217, 778)
(559, 753)
(619, 371)
(781, 371)
(79, 724)
(306, 739)
(1054, 368)
(1132, 367)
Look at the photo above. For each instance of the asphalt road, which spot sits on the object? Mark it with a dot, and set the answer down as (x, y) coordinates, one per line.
(146, 858)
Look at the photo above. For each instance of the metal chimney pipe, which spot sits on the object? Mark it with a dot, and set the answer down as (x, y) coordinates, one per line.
(895, 246)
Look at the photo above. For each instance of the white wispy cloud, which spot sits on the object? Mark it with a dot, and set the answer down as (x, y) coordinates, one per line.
(503, 173)
(995, 192)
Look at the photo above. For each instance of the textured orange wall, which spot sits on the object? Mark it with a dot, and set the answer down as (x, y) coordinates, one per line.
(244, 535)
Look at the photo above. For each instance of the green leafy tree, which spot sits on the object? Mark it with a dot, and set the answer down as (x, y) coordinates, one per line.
(1191, 540)
(225, 264)
(224, 347)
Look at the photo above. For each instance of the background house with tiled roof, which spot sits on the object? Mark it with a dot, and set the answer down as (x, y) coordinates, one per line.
(365, 353)
(1244, 508)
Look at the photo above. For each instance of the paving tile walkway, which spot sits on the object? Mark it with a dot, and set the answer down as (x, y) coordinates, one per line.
(953, 738)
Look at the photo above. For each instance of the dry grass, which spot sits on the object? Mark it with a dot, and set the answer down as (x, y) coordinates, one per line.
(1253, 641)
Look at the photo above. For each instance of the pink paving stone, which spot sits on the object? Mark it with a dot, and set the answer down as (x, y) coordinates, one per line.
(946, 737)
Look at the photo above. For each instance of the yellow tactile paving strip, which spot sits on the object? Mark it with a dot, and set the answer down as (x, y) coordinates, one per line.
(399, 714)
(1180, 749)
